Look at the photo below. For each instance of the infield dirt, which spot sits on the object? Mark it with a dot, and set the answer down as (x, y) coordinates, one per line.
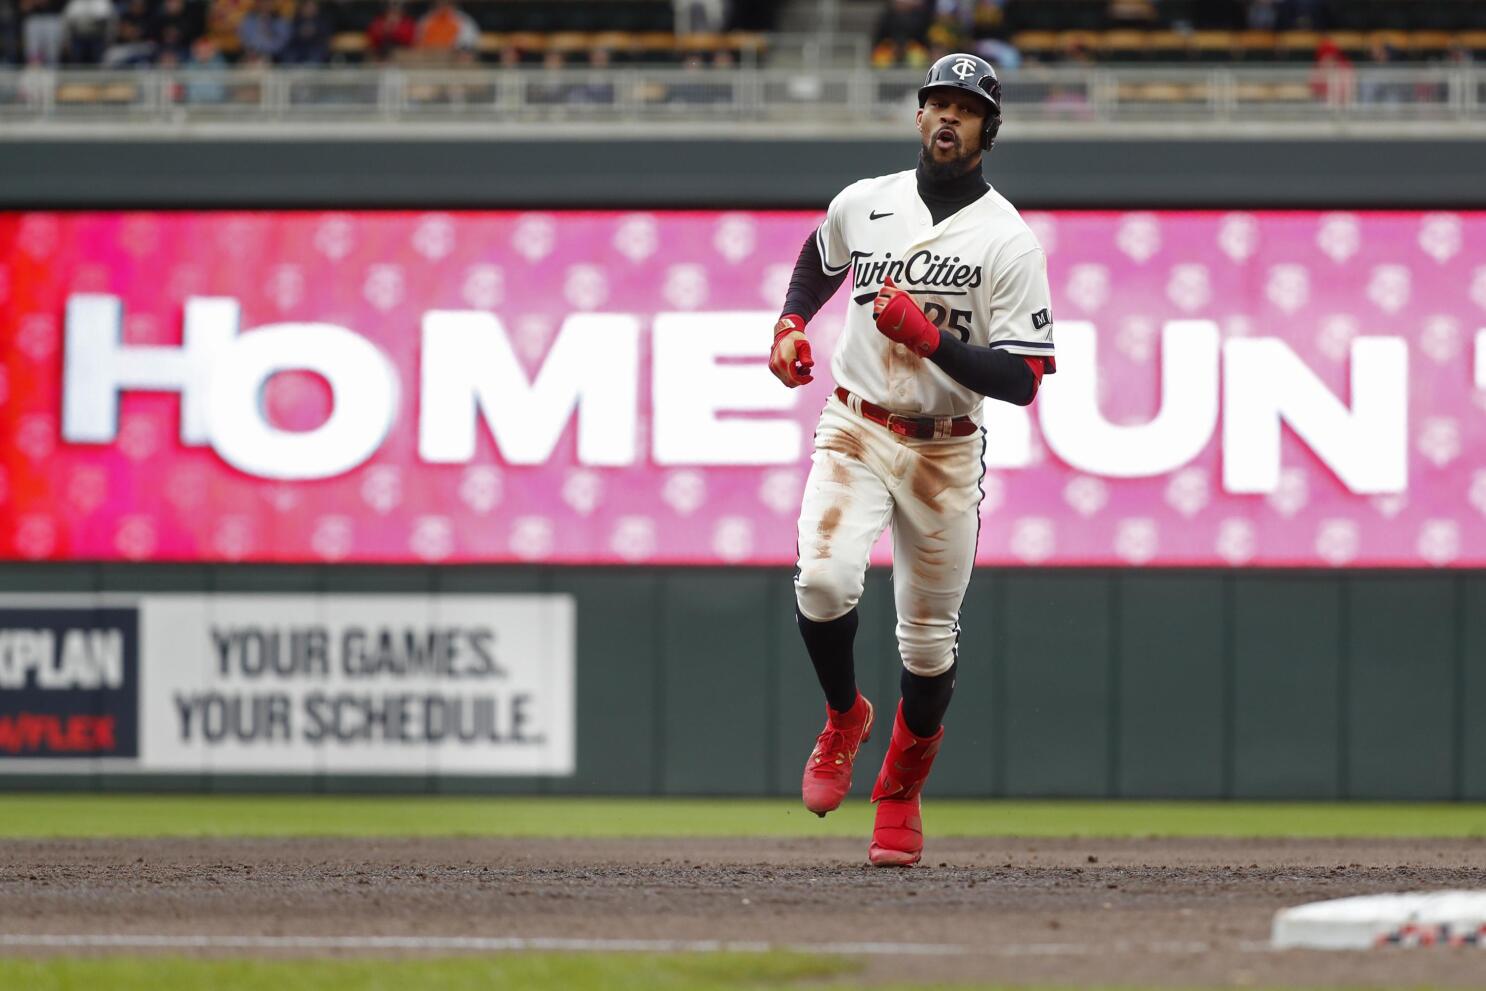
(1155, 912)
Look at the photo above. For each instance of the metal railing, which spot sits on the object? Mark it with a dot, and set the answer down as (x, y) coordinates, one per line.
(768, 100)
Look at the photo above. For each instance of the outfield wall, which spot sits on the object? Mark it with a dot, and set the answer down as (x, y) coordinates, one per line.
(1141, 681)
(1089, 683)
(1247, 171)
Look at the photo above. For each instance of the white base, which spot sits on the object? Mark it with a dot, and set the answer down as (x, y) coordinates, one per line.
(1424, 918)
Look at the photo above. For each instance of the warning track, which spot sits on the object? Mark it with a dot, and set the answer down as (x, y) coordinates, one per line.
(1072, 911)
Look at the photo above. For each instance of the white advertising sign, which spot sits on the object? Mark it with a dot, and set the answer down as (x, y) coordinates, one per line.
(377, 684)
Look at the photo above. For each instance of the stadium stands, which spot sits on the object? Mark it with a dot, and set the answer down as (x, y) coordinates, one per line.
(908, 33)
(913, 32)
(1062, 60)
(1167, 46)
(510, 32)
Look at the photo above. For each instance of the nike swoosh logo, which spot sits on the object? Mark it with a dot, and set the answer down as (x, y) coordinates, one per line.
(874, 215)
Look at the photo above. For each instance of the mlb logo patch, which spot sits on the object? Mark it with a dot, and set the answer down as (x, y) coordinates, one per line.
(1041, 319)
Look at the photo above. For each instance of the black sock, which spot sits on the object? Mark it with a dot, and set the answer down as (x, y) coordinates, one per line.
(925, 700)
(829, 645)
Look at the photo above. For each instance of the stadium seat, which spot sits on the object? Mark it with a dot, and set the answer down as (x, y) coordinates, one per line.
(532, 42)
(349, 46)
(1070, 41)
(568, 43)
(1352, 43)
(1474, 42)
(1122, 46)
(1040, 46)
(701, 42)
(1256, 46)
(1213, 46)
(1297, 46)
(657, 46)
(1168, 46)
(1398, 41)
(1430, 45)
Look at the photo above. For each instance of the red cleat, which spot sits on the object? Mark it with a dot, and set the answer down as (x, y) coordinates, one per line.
(828, 771)
(898, 830)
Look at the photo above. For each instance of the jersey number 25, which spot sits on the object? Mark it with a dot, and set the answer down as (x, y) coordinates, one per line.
(959, 320)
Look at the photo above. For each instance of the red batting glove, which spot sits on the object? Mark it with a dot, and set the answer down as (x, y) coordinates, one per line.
(900, 319)
(790, 359)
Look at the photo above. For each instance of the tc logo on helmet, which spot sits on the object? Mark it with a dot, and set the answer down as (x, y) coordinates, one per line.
(964, 68)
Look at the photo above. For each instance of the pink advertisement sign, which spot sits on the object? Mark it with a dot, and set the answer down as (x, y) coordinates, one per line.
(1233, 389)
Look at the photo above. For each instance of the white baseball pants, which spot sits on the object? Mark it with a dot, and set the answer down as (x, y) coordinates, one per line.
(862, 478)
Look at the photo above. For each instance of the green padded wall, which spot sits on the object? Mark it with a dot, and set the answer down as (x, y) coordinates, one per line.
(1400, 687)
(1170, 664)
(1286, 676)
(1055, 650)
(1182, 684)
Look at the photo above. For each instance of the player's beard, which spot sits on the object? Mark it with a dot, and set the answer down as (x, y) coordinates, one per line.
(951, 168)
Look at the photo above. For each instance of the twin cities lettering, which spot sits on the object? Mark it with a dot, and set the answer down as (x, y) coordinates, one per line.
(69, 684)
(921, 270)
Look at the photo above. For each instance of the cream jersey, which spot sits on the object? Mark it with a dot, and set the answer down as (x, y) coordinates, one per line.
(979, 273)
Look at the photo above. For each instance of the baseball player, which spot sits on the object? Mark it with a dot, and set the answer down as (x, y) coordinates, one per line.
(949, 304)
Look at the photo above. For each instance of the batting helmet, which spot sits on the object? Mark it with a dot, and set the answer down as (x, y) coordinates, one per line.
(974, 75)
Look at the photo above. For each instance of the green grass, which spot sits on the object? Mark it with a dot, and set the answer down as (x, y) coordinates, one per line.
(599, 972)
(33, 815)
(610, 972)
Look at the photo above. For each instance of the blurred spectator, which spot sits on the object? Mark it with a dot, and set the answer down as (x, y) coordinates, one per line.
(1331, 82)
(552, 88)
(204, 83)
(263, 32)
(595, 90)
(902, 35)
(222, 20)
(1373, 89)
(1459, 53)
(446, 28)
(700, 16)
(987, 19)
(697, 90)
(887, 54)
(90, 28)
(10, 46)
(131, 45)
(172, 27)
(172, 46)
(904, 22)
(1075, 52)
(390, 30)
(1001, 54)
(245, 85)
(42, 31)
(1263, 15)
(309, 36)
(1128, 11)
(946, 33)
(1306, 15)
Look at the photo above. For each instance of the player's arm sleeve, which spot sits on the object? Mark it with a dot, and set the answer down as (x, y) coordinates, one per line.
(1021, 305)
(992, 372)
(810, 285)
